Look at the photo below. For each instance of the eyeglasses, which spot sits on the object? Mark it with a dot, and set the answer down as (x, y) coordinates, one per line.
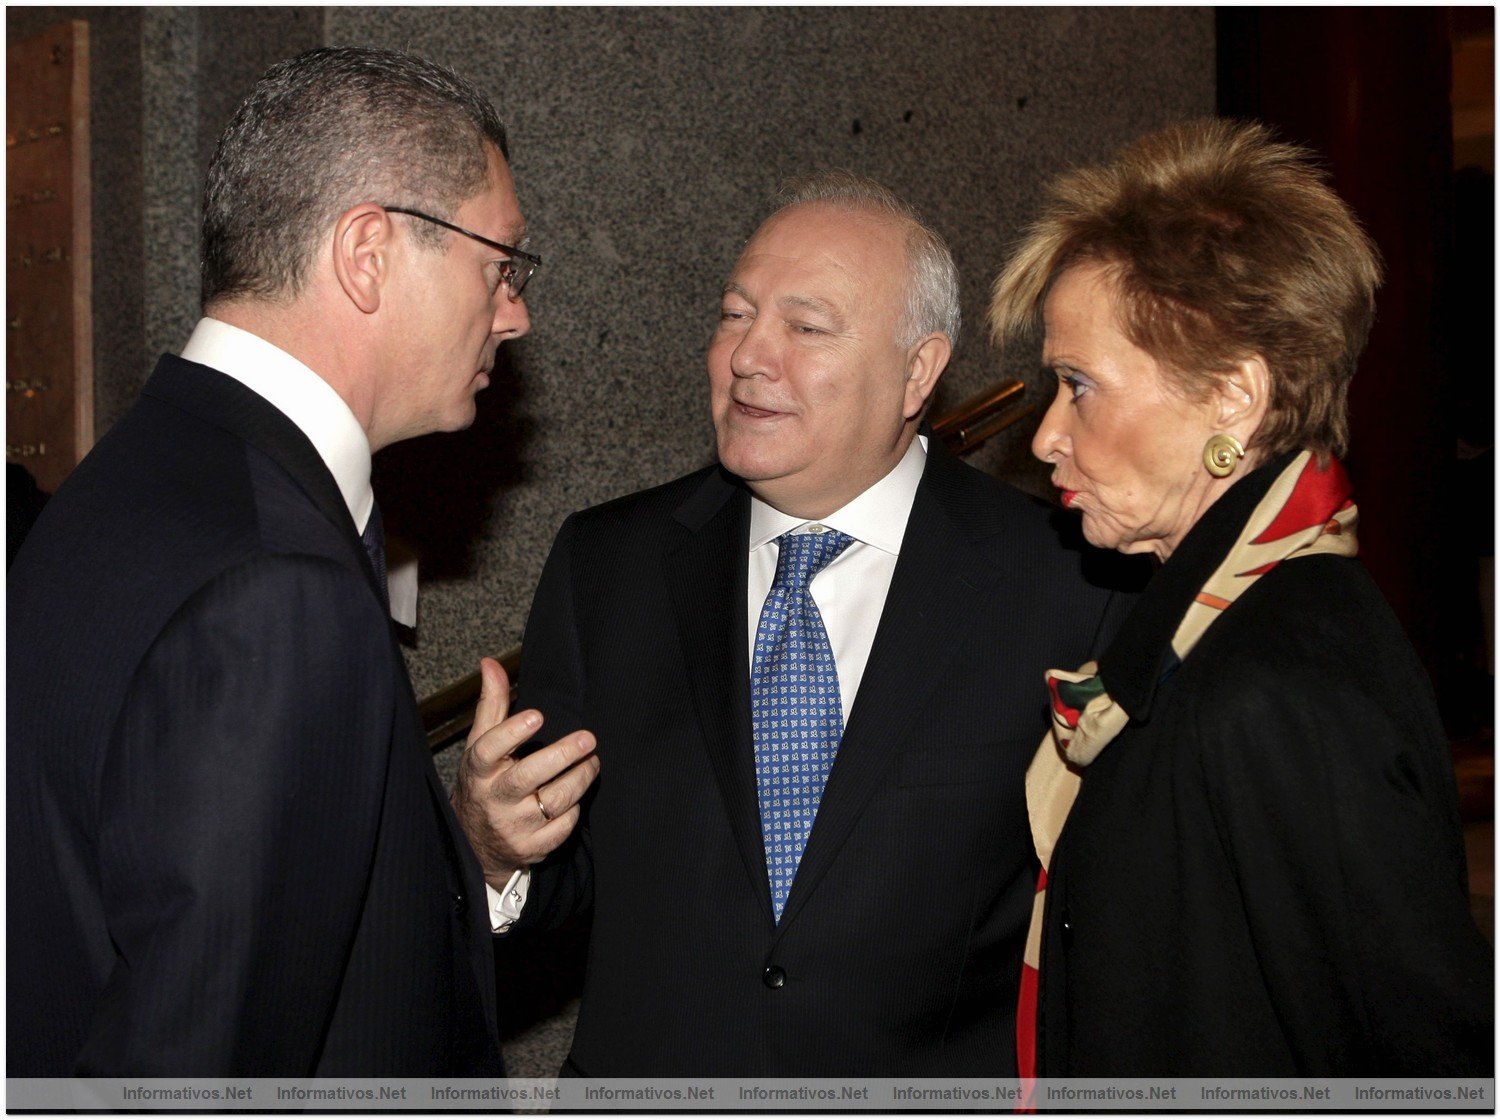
(513, 272)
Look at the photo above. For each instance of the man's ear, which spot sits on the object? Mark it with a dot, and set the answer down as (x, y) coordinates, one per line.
(361, 254)
(924, 365)
(1242, 397)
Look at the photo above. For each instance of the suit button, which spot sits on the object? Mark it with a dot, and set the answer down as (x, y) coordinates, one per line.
(1066, 925)
(457, 900)
(774, 976)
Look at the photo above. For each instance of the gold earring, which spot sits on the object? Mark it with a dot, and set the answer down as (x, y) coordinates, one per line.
(1221, 454)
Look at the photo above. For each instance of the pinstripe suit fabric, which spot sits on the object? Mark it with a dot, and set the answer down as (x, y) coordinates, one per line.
(228, 853)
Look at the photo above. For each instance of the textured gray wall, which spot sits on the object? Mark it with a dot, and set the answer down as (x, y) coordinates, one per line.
(645, 143)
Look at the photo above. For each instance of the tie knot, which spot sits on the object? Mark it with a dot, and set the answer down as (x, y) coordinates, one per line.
(803, 555)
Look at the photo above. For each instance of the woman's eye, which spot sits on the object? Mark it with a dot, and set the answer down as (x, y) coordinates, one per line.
(1076, 386)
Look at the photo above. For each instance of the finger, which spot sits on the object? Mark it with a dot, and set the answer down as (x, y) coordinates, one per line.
(568, 788)
(546, 764)
(486, 752)
(494, 697)
(551, 835)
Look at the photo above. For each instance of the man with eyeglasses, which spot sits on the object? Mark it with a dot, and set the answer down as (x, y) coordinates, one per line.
(228, 851)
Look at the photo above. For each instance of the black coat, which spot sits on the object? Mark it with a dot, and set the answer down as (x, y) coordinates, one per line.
(899, 949)
(1263, 875)
(228, 851)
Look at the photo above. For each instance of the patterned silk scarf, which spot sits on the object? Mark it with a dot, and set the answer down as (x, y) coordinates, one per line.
(1306, 511)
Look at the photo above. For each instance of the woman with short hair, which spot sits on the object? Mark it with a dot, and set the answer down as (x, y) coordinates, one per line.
(1262, 870)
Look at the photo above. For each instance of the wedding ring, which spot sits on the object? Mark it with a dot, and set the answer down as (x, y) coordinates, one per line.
(546, 816)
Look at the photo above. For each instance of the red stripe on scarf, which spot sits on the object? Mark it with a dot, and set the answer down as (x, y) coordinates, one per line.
(1026, 1021)
(1026, 1036)
(1316, 497)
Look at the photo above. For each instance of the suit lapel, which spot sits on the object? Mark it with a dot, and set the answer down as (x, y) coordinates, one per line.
(939, 584)
(224, 402)
(221, 400)
(707, 577)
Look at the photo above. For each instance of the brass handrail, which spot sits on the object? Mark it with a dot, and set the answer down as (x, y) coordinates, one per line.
(982, 417)
(448, 713)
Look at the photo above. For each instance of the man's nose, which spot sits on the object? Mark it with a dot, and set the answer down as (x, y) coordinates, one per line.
(512, 316)
(753, 354)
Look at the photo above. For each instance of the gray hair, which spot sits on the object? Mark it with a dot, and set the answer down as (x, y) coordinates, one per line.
(325, 131)
(932, 290)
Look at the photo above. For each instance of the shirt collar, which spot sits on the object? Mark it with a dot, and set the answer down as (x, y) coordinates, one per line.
(877, 517)
(305, 398)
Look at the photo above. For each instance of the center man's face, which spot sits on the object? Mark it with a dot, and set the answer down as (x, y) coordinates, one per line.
(808, 386)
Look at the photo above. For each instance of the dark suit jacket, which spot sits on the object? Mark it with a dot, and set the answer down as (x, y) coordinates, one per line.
(1263, 874)
(900, 947)
(228, 852)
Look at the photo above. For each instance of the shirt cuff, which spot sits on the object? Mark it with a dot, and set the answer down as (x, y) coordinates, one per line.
(506, 905)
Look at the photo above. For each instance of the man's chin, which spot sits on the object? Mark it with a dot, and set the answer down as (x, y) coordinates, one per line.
(460, 419)
(744, 463)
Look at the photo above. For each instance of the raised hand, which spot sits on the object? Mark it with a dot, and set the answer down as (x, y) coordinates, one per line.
(514, 811)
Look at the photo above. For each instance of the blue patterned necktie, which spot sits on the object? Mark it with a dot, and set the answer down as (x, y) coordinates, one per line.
(794, 705)
(373, 538)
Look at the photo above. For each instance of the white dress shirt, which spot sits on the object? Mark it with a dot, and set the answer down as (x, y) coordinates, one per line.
(320, 413)
(850, 592)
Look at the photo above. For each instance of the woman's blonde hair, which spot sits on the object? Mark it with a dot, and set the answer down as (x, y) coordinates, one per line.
(1221, 244)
